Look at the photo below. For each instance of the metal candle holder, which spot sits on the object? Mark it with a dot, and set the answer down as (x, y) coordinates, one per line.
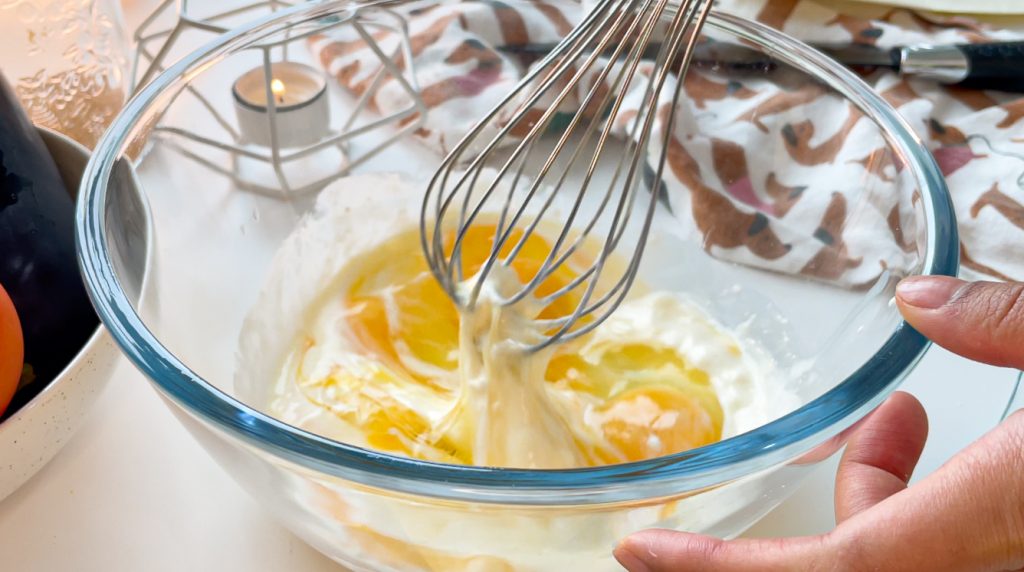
(275, 157)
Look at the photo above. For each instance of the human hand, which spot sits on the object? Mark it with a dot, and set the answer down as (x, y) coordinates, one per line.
(968, 515)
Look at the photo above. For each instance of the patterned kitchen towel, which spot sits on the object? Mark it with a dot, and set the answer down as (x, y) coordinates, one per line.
(820, 203)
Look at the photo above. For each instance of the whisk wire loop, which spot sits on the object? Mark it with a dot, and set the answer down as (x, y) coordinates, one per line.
(536, 130)
(682, 23)
(610, 50)
(597, 83)
(438, 185)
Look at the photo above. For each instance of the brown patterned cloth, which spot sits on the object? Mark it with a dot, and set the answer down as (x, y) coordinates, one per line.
(821, 203)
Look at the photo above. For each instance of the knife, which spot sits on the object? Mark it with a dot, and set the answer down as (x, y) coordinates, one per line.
(995, 66)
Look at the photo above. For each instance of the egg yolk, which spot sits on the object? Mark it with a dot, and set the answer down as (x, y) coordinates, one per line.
(638, 400)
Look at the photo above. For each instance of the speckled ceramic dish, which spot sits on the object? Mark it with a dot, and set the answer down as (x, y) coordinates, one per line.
(37, 431)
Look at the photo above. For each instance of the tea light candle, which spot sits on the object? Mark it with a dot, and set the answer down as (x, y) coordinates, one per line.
(299, 99)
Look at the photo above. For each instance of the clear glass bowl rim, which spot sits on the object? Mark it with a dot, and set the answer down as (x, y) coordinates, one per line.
(767, 446)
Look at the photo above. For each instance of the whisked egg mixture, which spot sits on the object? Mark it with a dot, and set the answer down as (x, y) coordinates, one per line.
(356, 341)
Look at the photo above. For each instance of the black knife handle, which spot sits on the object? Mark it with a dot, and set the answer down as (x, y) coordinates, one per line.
(996, 66)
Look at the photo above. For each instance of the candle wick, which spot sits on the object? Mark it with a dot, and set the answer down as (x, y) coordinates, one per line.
(277, 88)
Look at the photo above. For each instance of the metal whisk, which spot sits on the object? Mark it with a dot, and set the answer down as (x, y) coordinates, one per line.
(602, 62)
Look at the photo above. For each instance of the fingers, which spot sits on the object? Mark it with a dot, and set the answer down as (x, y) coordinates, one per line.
(881, 455)
(669, 551)
(983, 321)
(878, 461)
(968, 515)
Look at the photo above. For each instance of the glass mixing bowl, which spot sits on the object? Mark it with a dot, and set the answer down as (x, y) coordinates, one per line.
(220, 210)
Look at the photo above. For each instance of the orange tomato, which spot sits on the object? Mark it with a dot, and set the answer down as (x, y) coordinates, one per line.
(12, 350)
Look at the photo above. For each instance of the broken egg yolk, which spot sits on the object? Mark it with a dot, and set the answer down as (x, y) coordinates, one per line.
(614, 400)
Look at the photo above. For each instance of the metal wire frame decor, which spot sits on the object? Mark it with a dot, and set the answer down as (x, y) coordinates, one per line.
(154, 44)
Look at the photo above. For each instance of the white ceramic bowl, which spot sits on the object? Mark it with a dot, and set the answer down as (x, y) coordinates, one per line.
(35, 433)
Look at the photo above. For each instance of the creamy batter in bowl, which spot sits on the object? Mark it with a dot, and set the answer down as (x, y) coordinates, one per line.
(352, 338)
(837, 348)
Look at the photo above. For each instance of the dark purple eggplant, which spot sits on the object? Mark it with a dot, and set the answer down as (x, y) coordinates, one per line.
(38, 267)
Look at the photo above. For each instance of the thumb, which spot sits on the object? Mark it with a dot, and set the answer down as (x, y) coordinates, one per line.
(982, 321)
(670, 551)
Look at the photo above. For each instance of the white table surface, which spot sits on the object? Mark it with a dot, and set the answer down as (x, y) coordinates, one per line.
(132, 491)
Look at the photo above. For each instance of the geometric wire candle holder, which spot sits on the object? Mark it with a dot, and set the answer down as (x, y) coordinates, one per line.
(274, 167)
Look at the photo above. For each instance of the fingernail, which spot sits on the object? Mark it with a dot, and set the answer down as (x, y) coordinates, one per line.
(929, 292)
(629, 560)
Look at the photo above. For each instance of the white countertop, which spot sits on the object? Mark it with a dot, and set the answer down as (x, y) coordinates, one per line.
(133, 491)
